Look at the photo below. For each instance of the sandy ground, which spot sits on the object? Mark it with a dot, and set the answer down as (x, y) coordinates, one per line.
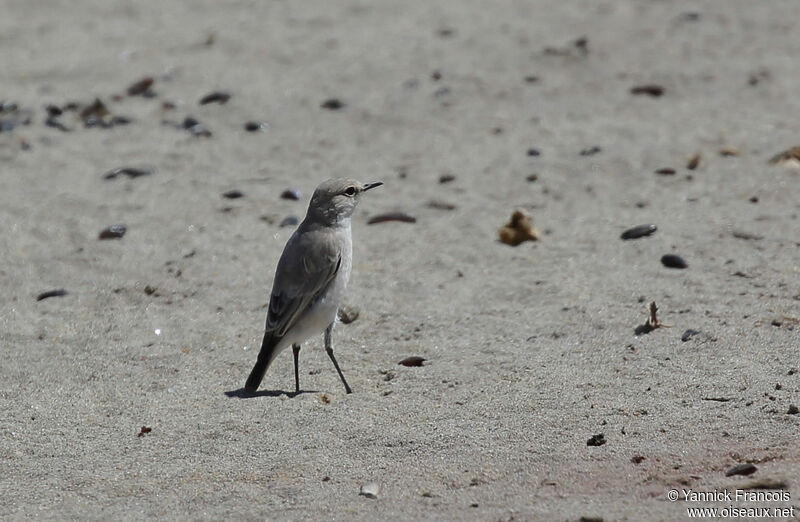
(530, 350)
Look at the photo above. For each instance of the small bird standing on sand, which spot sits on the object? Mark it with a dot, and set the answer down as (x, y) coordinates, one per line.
(311, 278)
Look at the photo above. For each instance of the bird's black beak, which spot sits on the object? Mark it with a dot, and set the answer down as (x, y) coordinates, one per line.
(368, 186)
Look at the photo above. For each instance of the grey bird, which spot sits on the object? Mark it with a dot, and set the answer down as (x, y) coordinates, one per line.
(311, 278)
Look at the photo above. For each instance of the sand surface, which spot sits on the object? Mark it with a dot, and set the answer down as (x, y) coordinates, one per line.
(530, 350)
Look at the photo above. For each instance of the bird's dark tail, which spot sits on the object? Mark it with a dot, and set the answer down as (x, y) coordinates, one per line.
(265, 357)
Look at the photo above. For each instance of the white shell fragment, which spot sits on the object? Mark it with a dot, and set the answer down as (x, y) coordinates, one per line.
(370, 490)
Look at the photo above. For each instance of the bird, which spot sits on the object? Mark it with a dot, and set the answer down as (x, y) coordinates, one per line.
(311, 278)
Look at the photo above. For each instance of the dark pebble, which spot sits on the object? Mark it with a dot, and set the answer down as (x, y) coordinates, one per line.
(666, 171)
(673, 261)
(596, 440)
(440, 205)
(292, 194)
(793, 410)
(53, 110)
(189, 122)
(131, 172)
(255, 126)
(233, 194)
(591, 151)
(741, 469)
(96, 109)
(199, 130)
(392, 216)
(120, 120)
(215, 97)
(289, 221)
(532, 177)
(52, 121)
(693, 162)
(52, 293)
(533, 152)
(113, 232)
(8, 106)
(638, 231)
(333, 104)
(414, 360)
(688, 334)
(446, 178)
(140, 87)
(650, 89)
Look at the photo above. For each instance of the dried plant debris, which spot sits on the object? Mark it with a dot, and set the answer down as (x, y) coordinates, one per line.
(144, 431)
(649, 89)
(519, 229)
(728, 151)
(392, 216)
(789, 157)
(639, 231)
(590, 151)
(414, 360)
(130, 172)
(667, 171)
(742, 469)
(52, 293)
(113, 232)
(652, 322)
(673, 261)
(596, 440)
(233, 194)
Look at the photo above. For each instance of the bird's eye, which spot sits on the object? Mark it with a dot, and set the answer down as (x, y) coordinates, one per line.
(350, 191)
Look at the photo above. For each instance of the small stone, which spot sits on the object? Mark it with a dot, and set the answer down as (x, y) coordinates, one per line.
(220, 97)
(693, 162)
(787, 157)
(333, 104)
(130, 172)
(289, 221)
(673, 261)
(347, 314)
(590, 151)
(292, 194)
(255, 126)
(728, 151)
(688, 334)
(793, 410)
(150, 290)
(446, 178)
(370, 490)
(649, 89)
(532, 177)
(531, 152)
(638, 231)
(140, 87)
(637, 459)
(741, 469)
(666, 171)
(440, 205)
(233, 194)
(113, 232)
(414, 360)
(596, 440)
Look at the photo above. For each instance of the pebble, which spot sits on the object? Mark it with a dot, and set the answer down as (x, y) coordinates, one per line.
(741, 469)
(292, 194)
(255, 126)
(638, 231)
(596, 440)
(518, 229)
(140, 87)
(392, 216)
(113, 232)
(649, 89)
(333, 104)
(688, 334)
(533, 152)
(220, 97)
(446, 178)
(52, 293)
(591, 151)
(131, 172)
(233, 194)
(694, 161)
(414, 360)
(347, 314)
(52, 121)
(289, 221)
(793, 410)
(673, 261)
(666, 171)
(370, 490)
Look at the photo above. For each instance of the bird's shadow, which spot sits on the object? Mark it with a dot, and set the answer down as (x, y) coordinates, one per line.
(241, 393)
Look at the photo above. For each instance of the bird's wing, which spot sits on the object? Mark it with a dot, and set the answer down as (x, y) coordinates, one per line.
(307, 266)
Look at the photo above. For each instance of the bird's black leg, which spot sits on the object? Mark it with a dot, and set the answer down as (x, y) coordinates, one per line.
(329, 349)
(296, 353)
